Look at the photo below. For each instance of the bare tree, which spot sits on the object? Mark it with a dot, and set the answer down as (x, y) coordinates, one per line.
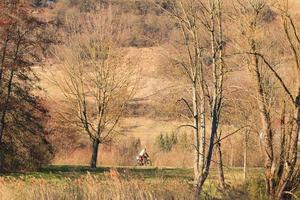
(203, 42)
(95, 84)
(281, 173)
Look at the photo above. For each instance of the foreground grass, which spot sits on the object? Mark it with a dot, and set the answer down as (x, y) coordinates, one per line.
(81, 182)
(91, 187)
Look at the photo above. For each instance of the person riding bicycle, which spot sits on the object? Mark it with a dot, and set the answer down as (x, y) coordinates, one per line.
(143, 156)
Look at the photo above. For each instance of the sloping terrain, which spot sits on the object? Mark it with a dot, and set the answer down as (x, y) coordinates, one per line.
(147, 61)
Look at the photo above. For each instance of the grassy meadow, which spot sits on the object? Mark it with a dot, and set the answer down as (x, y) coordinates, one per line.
(80, 182)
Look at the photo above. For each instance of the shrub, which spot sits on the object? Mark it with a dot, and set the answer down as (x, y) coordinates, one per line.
(165, 142)
(87, 6)
(37, 3)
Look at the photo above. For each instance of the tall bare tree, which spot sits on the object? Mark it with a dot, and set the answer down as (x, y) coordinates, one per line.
(200, 23)
(95, 84)
(281, 172)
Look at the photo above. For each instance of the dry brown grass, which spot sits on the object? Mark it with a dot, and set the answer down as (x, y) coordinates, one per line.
(114, 186)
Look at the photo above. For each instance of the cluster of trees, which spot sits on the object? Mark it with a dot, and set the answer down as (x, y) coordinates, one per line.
(23, 143)
(201, 24)
(260, 38)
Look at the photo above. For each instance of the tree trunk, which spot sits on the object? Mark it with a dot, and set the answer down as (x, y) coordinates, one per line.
(198, 190)
(196, 129)
(245, 154)
(204, 174)
(285, 180)
(220, 166)
(95, 150)
(202, 128)
(267, 131)
(197, 172)
(215, 106)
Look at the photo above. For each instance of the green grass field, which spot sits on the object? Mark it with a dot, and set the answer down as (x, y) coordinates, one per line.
(76, 171)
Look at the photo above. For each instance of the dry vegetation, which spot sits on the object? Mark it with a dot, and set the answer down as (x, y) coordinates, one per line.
(71, 182)
(212, 85)
(91, 187)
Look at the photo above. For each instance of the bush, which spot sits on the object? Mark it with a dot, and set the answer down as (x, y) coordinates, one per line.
(87, 6)
(37, 3)
(165, 142)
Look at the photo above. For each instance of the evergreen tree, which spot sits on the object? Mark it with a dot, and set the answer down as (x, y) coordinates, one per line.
(23, 142)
